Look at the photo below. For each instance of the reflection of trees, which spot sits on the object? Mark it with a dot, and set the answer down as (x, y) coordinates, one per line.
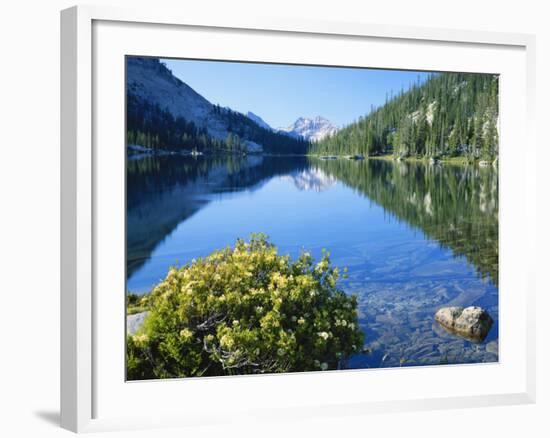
(163, 191)
(455, 205)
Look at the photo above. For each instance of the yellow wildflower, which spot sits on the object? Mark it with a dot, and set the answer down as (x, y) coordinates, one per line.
(186, 334)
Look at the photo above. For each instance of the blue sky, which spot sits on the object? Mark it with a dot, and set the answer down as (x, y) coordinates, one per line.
(282, 93)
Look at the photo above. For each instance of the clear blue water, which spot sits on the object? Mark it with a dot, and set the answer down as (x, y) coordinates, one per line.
(413, 237)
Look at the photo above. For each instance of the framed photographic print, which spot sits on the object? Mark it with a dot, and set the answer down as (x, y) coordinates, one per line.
(335, 224)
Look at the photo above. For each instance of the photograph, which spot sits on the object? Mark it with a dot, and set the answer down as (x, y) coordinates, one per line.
(285, 218)
(291, 219)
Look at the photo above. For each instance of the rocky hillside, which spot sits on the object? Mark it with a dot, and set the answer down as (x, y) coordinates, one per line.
(258, 120)
(149, 80)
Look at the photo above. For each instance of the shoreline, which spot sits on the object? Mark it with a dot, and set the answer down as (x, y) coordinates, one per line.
(458, 160)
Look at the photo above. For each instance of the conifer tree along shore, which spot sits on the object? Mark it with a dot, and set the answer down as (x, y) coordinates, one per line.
(449, 115)
(151, 126)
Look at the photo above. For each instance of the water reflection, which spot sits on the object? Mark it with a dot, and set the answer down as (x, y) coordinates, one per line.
(415, 237)
(455, 205)
(312, 179)
(164, 191)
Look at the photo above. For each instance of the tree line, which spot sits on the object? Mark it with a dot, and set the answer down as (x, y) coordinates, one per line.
(450, 114)
(148, 125)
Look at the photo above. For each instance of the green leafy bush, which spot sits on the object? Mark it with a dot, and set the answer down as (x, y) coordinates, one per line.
(245, 310)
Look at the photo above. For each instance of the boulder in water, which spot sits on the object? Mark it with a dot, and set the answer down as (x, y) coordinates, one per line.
(472, 323)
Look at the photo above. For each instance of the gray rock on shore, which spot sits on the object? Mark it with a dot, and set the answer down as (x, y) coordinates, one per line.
(472, 323)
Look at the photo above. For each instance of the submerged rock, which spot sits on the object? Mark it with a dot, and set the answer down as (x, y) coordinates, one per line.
(472, 323)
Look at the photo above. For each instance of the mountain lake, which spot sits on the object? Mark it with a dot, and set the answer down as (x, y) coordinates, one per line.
(414, 237)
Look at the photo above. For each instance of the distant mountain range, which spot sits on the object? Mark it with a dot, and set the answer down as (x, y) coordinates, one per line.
(452, 114)
(315, 129)
(165, 113)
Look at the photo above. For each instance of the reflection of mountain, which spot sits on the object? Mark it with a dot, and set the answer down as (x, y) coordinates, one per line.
(455, 205)
(312, 179)
(165, 190)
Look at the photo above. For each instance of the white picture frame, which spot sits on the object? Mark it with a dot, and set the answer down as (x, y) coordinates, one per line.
(90, 393)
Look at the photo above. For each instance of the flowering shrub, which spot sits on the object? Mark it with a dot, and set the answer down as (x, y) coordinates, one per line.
(245, 310)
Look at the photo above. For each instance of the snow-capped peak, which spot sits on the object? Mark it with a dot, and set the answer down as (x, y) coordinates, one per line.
(311, 129)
